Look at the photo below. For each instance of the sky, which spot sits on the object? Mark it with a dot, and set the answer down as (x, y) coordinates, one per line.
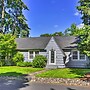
(49, 16)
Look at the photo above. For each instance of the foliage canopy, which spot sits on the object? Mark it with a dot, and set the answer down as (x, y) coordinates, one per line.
(12, 19)
(7, 47)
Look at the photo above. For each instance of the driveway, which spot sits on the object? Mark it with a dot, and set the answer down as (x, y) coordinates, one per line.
(17, 84)
(12, 84)
(38, 86)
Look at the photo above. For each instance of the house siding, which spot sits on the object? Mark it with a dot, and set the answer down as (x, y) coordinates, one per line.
(25, 54)
(43, 53)
(59, 55)
(75, 63)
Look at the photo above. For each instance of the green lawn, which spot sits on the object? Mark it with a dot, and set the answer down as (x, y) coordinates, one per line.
(64, 73)
(17, 71)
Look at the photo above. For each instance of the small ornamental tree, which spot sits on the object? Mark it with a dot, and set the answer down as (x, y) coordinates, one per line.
(18, 57)
(7, 47)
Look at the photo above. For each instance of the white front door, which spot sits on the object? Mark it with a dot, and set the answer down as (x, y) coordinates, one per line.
(52, 57)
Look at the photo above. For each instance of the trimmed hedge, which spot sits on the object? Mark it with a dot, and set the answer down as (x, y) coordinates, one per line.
(39, 61)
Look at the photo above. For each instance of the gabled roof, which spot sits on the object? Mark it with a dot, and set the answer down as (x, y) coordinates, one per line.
(32, 43)
(64, 42)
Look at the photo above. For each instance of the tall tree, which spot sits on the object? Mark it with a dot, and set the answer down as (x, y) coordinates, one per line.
(84, 9)
(45, 35)
(1, 16)
(73, 30)
(12, 19)
(84, 43)
(57, 34)
(84, 40)
(54, 34)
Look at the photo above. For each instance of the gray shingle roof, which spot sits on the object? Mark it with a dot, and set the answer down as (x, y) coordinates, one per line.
(32, 43)
(64, 42)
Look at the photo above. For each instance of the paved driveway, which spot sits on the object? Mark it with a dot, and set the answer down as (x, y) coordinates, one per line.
(7, 84)
(16, 84)
(38, 86)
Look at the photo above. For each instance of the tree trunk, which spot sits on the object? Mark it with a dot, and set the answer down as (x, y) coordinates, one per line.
(2, 30)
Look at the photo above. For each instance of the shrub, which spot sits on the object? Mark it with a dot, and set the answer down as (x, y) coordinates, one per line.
(18, 57)
(24, 64)
(2, 62)
(39, 61)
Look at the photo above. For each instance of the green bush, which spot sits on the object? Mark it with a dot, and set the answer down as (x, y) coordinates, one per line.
(39, 61)
(18, 57)
(24, 64)
(2, 62)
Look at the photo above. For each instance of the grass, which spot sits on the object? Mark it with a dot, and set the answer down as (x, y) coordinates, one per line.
(64, 73)
(17, 71)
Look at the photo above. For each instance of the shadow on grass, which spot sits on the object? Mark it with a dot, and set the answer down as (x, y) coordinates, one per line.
(79, 72)
(15, 74)
(12, 83)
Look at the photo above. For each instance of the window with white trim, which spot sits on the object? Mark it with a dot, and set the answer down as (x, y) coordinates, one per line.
(36, 53)
(52, 56)
(32, 54)
(76, 55)
(82, 56)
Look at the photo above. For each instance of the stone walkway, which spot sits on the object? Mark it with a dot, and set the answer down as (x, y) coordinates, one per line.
(76, 82)
(32, 78)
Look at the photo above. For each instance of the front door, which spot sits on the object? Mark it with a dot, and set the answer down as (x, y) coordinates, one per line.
(52, 57)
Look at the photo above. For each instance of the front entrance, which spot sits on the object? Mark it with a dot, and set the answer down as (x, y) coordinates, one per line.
(52, 57)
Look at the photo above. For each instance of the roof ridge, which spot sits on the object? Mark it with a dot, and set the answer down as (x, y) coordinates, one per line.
(64, 36)
(59, 47)
(33, 37)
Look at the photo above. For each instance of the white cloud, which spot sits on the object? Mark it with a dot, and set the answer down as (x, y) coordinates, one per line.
(55, 26)
(80, 25)
(76, 14)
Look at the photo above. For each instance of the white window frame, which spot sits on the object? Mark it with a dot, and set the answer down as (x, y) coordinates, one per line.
(50, 58)
(35, 51)
(78, 56)
(29, 56)
(33, 54)
(82, 59)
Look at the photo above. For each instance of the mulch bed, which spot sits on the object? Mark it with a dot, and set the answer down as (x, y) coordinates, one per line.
(86, 77)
